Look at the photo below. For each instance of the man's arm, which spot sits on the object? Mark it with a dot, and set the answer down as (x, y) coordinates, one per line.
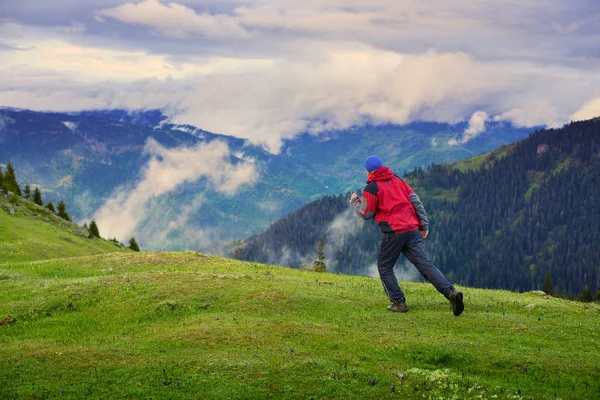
(365, 205)
(419, 208)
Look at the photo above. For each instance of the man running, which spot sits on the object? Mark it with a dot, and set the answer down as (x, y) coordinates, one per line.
(403, 221)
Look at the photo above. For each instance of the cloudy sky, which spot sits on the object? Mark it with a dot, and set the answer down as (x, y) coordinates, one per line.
(268, 69)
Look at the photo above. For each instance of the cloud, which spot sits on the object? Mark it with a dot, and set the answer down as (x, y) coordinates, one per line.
(162, 231)
(351, 85)
(404, 271)
(344, 227)
(175, 20)
(476, 126)
(589, 110)
(270, 69)
(72, 126)
(271, 207)
(165, 171)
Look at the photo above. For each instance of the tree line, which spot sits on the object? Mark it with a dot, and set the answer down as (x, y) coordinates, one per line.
(9, 185)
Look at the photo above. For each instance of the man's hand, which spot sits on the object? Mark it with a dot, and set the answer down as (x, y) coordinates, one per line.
(354, 196)
(424, 234)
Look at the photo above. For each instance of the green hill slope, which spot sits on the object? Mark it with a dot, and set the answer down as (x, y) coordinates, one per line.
(29, 232)
(185, 325)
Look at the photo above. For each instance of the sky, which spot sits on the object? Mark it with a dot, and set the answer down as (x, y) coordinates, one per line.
(267, 70)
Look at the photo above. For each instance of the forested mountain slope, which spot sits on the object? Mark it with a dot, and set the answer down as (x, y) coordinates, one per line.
(500, 220)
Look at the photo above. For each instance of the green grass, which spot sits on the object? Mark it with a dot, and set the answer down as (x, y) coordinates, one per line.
(561, 166)
(482, 160)
(33, 233)
(185, 325)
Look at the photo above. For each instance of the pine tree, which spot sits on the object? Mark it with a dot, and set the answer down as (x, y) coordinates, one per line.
(1, 179)
(133, 244)
(586, 295)
(319, 263)
(27, 192)
(94, 232)
(62, 211)
(50, 206)
(10, 180)
(547, 285)
(37, 197)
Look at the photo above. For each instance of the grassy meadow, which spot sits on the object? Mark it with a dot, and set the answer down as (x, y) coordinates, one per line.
(186, 325)
(32, 233)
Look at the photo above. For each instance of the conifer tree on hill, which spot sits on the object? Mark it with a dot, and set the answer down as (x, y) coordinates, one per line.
(27, 192)
(586, 295)
(1, 179)
(133, 244)
(50, 206)
(62, 211)
(37, 197)
(10, 180)
(94, 232)
(319, 264)
(547, 286)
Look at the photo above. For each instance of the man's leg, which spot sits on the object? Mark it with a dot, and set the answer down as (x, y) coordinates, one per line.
(389, 251)
(414, 251)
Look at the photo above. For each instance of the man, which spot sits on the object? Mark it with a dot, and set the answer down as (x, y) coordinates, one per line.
(403, 221)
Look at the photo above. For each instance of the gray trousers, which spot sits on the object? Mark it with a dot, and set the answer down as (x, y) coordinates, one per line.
(411, 245)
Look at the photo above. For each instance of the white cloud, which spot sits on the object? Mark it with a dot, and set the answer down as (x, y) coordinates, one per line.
(589, 110)
(162, 231)
(345, 225)
(404, 271)
(351, 85)
(175, 20)
(166, 170)
(267, 70)
(271, 207)
(476, 126)
(71, 125)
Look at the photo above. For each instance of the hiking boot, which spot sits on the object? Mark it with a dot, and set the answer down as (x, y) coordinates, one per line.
(398, 307)
(456, 300)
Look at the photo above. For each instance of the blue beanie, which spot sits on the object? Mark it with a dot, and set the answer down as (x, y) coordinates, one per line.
(372, 163)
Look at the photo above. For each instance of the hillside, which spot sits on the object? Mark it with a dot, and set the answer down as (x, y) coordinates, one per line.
(88, 158)
(500, 220)
(29, 232)
(186, 325)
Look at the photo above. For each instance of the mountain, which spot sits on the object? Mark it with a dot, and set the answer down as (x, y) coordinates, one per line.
(335, 159)
(89, 158)
(186, 325)
(504, 219)
(29, 232)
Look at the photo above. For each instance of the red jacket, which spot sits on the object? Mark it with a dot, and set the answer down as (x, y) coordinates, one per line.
(392, 202)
